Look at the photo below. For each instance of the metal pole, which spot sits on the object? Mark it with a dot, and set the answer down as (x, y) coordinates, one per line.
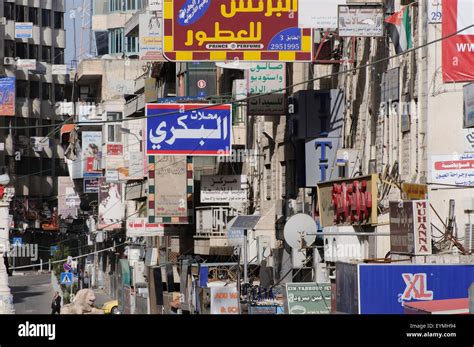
(246, 280)
(471, 299)
(6, 298)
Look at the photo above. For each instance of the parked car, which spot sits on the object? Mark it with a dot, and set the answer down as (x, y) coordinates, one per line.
(111, 307)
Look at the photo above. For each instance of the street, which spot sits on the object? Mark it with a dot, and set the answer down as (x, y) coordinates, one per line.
(32, 293)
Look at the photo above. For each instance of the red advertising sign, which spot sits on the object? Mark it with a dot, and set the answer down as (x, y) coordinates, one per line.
(222, 30)
(458, 51)
(114, 149)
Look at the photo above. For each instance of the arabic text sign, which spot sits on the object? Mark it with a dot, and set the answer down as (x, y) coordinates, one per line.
(29, 64)
(267, 77)
(364, 21)
(91, 185)
(226, 188)
(24, 30)
(453, 169)
(318, 14)
(59, 69)
(188, 129)
(272, 104)
(308, 298)
(68, 200)
(7, 96)
(151, 41)
(224, 300)
(221, 30)
(171, 195)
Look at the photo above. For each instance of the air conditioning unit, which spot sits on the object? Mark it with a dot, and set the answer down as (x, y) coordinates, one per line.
(8, 61)
(469, 238)
(3, 21)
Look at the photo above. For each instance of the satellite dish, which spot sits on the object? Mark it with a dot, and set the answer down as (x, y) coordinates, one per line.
(300, 231)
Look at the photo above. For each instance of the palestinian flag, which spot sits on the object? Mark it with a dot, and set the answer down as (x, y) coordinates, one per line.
(399, 27)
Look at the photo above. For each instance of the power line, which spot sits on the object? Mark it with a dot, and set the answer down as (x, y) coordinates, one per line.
(242, 101)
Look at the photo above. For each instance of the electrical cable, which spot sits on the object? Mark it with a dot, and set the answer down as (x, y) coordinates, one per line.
(242, 101)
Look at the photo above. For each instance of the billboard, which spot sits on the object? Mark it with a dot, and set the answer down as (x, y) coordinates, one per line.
(111, 205)
(228, 188)
(68, 200)
(7, 96)
(308, 298)
(453, 170)
(171, 181)
(114, 158)
(224, 300)
(383, 289)
(188, 129)
(150, 27)
(92, 153)
(409, 227)
(265, 78)
(91, 185)
(23, 30)
(224, 30)
(458, 59)
(468, 94)
(362, 21)
(170, 189)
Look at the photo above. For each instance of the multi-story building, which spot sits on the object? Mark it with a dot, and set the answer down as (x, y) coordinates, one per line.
(31, 150)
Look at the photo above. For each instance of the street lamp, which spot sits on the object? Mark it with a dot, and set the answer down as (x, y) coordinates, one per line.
(127, 131)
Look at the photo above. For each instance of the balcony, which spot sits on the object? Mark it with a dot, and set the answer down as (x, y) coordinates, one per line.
(135, 105)
(89, 70)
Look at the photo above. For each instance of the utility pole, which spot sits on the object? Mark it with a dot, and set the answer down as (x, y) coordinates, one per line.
(246, 279)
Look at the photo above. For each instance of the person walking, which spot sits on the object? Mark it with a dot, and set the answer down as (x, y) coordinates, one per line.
(56, 304)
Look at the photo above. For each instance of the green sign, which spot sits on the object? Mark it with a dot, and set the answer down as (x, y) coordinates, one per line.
(308, 298)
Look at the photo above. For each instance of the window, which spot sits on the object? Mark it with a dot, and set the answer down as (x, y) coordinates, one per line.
(58, 56)
(34, 90)
(132, 44)
(9, 10)
(33, 15)
(116, 41)
(22, 50)
(114, 134)
(10, 48)
(21, 89)
(116, 5)
(46, 18)
(46, 91)
(21, 13)
(133, 5)
(46, 54)
(58, 20)
(59, 92)
(33, 52)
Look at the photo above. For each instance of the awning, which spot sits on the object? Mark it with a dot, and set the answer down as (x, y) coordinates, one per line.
(67, 128)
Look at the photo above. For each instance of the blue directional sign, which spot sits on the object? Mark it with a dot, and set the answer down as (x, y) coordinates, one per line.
(53, 250)
(67, 278)
(189, 129)
(17, 241)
